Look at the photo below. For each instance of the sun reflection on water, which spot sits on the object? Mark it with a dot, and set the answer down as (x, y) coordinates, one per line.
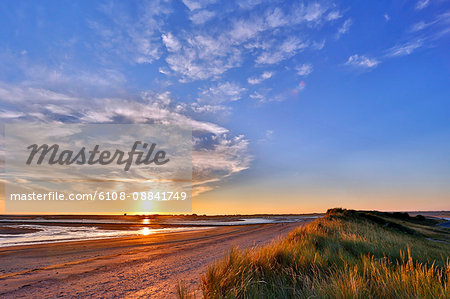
(145, 231)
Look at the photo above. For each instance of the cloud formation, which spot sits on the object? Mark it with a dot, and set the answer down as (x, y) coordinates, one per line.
(405, 49)
(217, 153)
(131, 38)
(221, 92)
(304, 69)
(421, 4)
(215, 56)
(362, 61)
(257, 80)
(209, 51)
(344, 28)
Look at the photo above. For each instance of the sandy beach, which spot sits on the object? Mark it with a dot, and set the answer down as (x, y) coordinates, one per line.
(132, 267)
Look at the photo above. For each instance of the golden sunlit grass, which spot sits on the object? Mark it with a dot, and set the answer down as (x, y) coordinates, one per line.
(346, 254)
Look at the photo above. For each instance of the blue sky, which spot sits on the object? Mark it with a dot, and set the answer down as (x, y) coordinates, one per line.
(296, 106)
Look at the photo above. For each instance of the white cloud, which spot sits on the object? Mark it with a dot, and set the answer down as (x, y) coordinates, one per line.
(287, 49)
(318, 45)
(65, 76)
(23, 95)
(171, 43)
(421, 4)
(304, 69)
(216, 154)
(245, 29)
(344, 28)
(222, 158)
(257, 80)
(164, 70)
(362, 61)
(258, 96)
(405, 49)
(210, 109)
(386, 17)
(212, 51)
(276, 18)
(202, 57)
(268, 136)
(6, 114)
(313, 12)
(333, 15)
(206, 50)
(197, 4)
(247, 4)
(135, 38)
(419, 26)
(441, 19)
(191, 4)
(202, 16)
(222, 92)
(263, 95)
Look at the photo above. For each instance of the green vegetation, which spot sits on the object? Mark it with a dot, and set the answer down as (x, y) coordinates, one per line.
(346, 254)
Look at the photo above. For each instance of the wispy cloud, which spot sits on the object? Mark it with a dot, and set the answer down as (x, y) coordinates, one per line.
(219, 158)
(344, 28)
(333, 15)
(442, 20)
(197, 4)
(203, 50)
(217, 153)
(313, 12)
(421, 4)
(419, 26)
(405, 49)
(210, 109)
(267, 37)
(203, 56)
(362, 61)
(268, 136)
(304, 69)
(202, 16)
(171, 43)
(5, 114)
(257, 80)
(135, 38)
(222, 92)
(287, 49)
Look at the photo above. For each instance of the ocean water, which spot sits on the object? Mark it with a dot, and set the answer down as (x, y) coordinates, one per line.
(39, 230)
(54, 234)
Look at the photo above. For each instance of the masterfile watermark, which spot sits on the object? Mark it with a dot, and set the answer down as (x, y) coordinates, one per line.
(97, 168)
(95, 156)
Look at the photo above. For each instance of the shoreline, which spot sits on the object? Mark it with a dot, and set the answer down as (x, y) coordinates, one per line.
(125, 266)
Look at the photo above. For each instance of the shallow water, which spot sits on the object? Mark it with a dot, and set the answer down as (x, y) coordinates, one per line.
(54, 234)
(62, 231)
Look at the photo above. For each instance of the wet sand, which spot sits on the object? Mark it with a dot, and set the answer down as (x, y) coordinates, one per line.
(131, 267)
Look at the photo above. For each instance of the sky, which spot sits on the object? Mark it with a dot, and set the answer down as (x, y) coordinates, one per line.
(295, 106)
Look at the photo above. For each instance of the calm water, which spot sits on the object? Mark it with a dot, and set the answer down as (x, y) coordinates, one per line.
(53, 234)
(36, 229)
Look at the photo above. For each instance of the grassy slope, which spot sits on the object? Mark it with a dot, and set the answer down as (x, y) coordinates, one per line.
(347, 254)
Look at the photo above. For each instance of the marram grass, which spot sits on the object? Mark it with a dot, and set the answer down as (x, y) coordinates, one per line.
(346, 254)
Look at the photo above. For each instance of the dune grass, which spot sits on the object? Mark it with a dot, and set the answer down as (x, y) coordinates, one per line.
(346, 254)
